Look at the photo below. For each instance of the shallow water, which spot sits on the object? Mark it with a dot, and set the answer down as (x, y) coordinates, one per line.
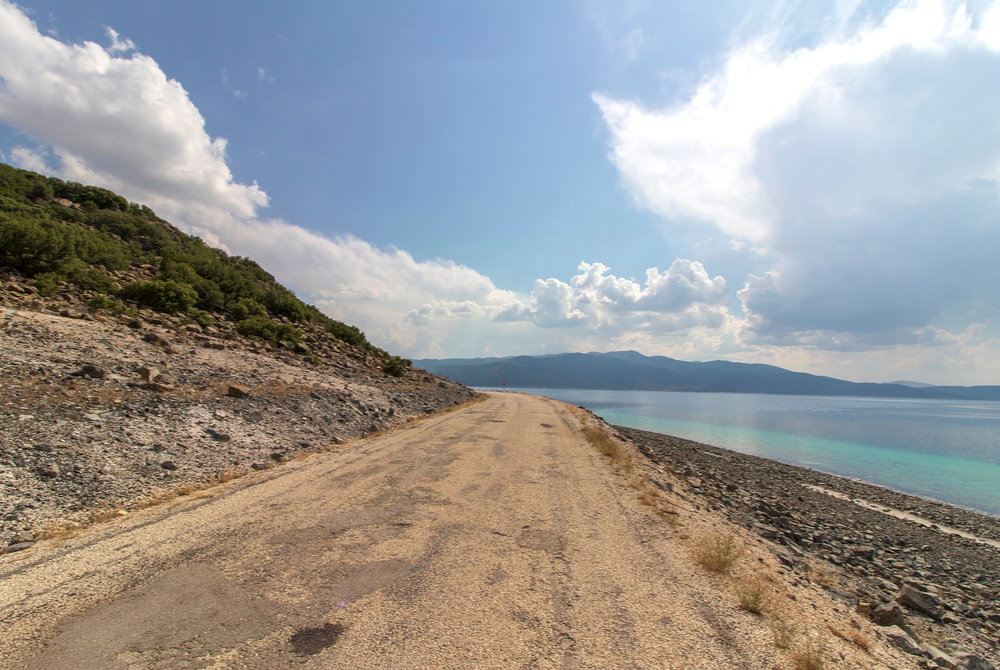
(941, 449)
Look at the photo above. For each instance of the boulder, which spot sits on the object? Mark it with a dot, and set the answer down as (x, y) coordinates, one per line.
(969, 661)
(148, 373)
(902, 640)
(237, 391)
(90, 371)
(921, 601)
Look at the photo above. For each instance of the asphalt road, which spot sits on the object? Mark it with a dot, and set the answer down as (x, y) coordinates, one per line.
(493, 536)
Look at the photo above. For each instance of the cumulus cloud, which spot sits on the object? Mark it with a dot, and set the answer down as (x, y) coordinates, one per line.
(110, 116)
(679, 298)
(103, 117)
(866, 166)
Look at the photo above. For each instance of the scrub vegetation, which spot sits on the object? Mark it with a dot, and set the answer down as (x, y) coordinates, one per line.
(122, 256)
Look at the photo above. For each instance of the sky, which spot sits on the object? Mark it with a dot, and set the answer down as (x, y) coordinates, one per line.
(807, 184)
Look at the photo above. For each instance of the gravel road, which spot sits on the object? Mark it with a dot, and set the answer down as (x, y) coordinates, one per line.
(493, 536)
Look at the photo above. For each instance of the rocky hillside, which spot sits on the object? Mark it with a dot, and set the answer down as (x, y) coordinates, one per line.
(136, 362)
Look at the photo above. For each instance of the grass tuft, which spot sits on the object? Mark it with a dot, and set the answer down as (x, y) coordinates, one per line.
(785, 632)
(755, 595)
(719, 552)
(809, 656)
(602, 440)
(855, 637)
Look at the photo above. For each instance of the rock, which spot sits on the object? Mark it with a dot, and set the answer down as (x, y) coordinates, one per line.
(148, 373)
(900, 639)
(20, 546)
(158, 387)
(920, 601)
(863, 552)
(168, 465)
(259, 466)
(216, 435)
(969, 661)
(23, 536)
(938, 657)
(156, 339)
(885, 614)
(236, 391)
(90, 371)
(50, 470)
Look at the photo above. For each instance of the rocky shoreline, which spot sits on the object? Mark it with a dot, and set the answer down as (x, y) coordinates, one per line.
(100, 414)
(935, 594)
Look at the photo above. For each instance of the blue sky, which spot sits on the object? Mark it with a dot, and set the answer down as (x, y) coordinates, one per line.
(812, 185)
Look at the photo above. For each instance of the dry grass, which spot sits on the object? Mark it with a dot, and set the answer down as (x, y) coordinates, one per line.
(605, 443)
(650, 496)
(856, 637)
(755, 595)
(809, 656)
(719, 552)
(784, 631)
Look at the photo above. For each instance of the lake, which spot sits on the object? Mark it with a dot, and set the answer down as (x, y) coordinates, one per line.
(947, 450)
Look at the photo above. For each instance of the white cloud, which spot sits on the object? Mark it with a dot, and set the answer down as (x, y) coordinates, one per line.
(867, 165)
(28, 159)
(118, 45)
(679, 298)
(120, 122)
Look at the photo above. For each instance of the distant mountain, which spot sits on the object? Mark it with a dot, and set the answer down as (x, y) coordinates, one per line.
(912, 385)
(630, 370)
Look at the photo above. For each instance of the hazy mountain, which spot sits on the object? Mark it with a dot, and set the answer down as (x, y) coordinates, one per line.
(630, 370)
(912, 385)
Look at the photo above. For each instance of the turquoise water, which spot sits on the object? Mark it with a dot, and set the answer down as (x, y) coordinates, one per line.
(940, 449)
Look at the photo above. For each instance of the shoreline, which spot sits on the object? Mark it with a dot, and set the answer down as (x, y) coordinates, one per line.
(933, 585)
(991, 504)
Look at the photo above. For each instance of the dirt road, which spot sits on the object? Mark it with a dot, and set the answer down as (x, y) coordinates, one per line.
(494, 536)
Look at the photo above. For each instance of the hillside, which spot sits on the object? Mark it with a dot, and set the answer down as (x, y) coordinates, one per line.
(630, 370)
(137, 361)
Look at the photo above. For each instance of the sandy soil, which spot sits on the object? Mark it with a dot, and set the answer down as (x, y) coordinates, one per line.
(493, 536)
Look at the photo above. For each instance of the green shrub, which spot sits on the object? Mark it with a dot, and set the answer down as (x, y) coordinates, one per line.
(86, 276)
(163, 296)
(201, 317)
(395, 366)
(244, 308)
(110, 304)
(263, 328)
(47, 283)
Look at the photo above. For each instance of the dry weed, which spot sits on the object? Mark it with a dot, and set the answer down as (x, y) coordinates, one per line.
(809, 656)
(784, 632)
(719, 552)
(605, 443)
(855, 637)
(755, 595)
(649, 496)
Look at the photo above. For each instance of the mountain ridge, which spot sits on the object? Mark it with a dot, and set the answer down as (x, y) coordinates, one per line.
(631, 370)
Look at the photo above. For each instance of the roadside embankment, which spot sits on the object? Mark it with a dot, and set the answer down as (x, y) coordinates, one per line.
(893, 557)
(100, 415)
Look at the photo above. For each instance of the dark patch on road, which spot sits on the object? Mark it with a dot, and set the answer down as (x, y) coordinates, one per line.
(311, 641)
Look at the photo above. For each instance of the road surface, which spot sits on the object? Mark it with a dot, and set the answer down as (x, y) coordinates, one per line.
(493, 536)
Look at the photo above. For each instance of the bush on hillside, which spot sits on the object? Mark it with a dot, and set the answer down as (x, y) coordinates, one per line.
(163, 296)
